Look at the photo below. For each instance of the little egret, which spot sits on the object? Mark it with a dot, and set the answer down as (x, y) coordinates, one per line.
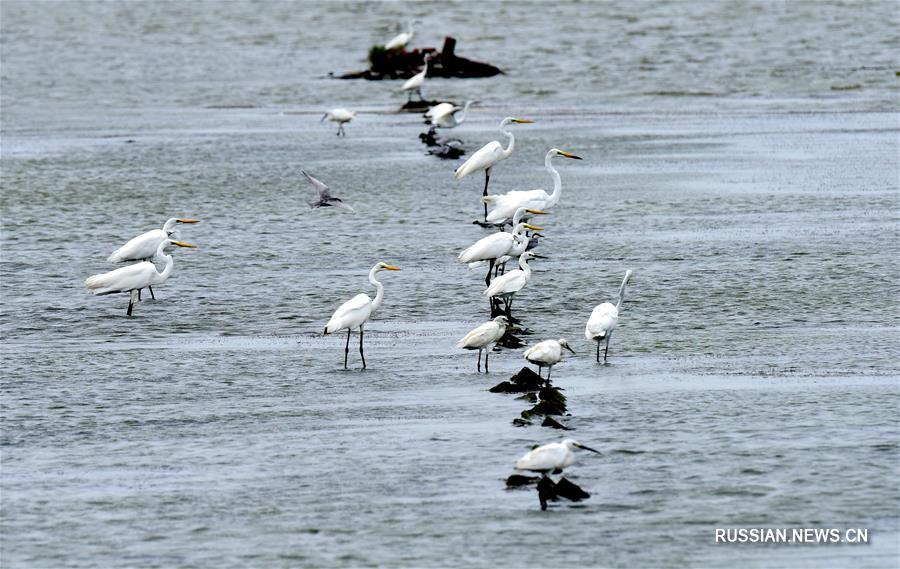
(443, 117)
(551, 458)
(604, 319)
(400, 40)
(484, 337)
(339, 116)
(415, 82)
(506, 286)
(489, 156)
(325, 197)
(506, 204)
(354, 313)
(547, 353)
(133, 278)
(144, 246)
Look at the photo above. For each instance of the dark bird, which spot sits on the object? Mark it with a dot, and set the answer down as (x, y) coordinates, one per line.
(325, 197)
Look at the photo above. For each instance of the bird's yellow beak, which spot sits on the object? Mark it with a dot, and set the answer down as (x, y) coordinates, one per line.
(183, 244)
(391, 267)
(569, 155)
(188, 220)
(536, 212)
(522, 121)
(533, 227)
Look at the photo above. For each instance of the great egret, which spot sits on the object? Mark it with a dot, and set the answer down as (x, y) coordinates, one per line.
(325, 197)
(506, 204)
(400, 40)
(550, 458)
(489, 156)
(144, 246)
(356, 311)
(133, 278)
(415, 82)
(484, 337)
(339, 116)
(444, 117)
(506, 286)
(520, 245)
(547, 353)
(497, 245)
(604, 319)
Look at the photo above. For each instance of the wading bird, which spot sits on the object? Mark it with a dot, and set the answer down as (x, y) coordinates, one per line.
(400, 40)
(506, 286)
(133, 278)
(506, 204)
(604, 319)
(551, 458)
(144, 246)
(444, 115)
(325, 197)
(489, 156)
(547, 353)
(339, 116)
(498, 245)
(414, 83)
(354, 313)
(484, 337)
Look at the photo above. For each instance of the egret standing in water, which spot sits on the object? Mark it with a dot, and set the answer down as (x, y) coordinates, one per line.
(133, 278)
(414, 83)
(498, 245)
(354, 313)
(489, 156)
(547, 353)
(551, 458)
(506, 204)
(506, 286)
(484, 337)
(144, 246)
(339, 116)
(604, 319)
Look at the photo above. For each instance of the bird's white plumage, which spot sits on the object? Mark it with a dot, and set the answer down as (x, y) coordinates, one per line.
(400, 40)
(505, 205)
(351, 314)
(512, 282)
(484, 335)
(485, 157)
(547, 458)
(439, 110)
(416, 81)
(548, 352)
(141, 247)
(603, 320)
(124, 279)
(340, 115)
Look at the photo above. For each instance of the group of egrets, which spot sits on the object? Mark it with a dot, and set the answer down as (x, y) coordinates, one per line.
(145, 248)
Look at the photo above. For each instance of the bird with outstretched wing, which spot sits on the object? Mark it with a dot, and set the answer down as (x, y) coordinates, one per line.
(325, 197)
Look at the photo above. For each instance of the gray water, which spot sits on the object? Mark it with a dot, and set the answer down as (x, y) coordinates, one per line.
(742, 158)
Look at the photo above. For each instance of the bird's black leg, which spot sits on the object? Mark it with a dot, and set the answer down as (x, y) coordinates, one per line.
(347, 348)
(131, 302)
(486, 354)
(540, 369)
(487, 279)
(361, 354)
(598, 352)
(549, 371)
(139, 295)
(487, 179)
(479, 360)
(150, 288)
(606, 351)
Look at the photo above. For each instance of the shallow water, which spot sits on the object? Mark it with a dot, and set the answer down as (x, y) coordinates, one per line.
(742, 159)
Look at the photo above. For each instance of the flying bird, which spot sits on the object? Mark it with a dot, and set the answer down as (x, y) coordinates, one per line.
(325, 197)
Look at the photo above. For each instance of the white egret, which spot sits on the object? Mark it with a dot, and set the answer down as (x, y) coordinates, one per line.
(354, 313)
(489, 156)
(484, 337)
(443, 117)
(400, 40)
(604, 319)
(551, 458)
(339, 116)
(497, 245)
(506, 204)
(547, 353)
(520, 245)
(506, 286)
(133, 278)
(415, 82)
(325, 197)
(439, 109)
(144, 246)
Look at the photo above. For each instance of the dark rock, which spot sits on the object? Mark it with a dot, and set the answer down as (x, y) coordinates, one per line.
(553, 424)
(402, 64)
(527, 378)
(521, 423)
(506, 387)
(570, 491)
(530, 396)
(518, 480)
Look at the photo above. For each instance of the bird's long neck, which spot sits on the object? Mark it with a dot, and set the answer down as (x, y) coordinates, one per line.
(523, 264)
(170, 264)
(379, 295)
(512, 140)
(622, 292)
(169, 225)
(557, 181)
(462, 115)
(519, 228)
